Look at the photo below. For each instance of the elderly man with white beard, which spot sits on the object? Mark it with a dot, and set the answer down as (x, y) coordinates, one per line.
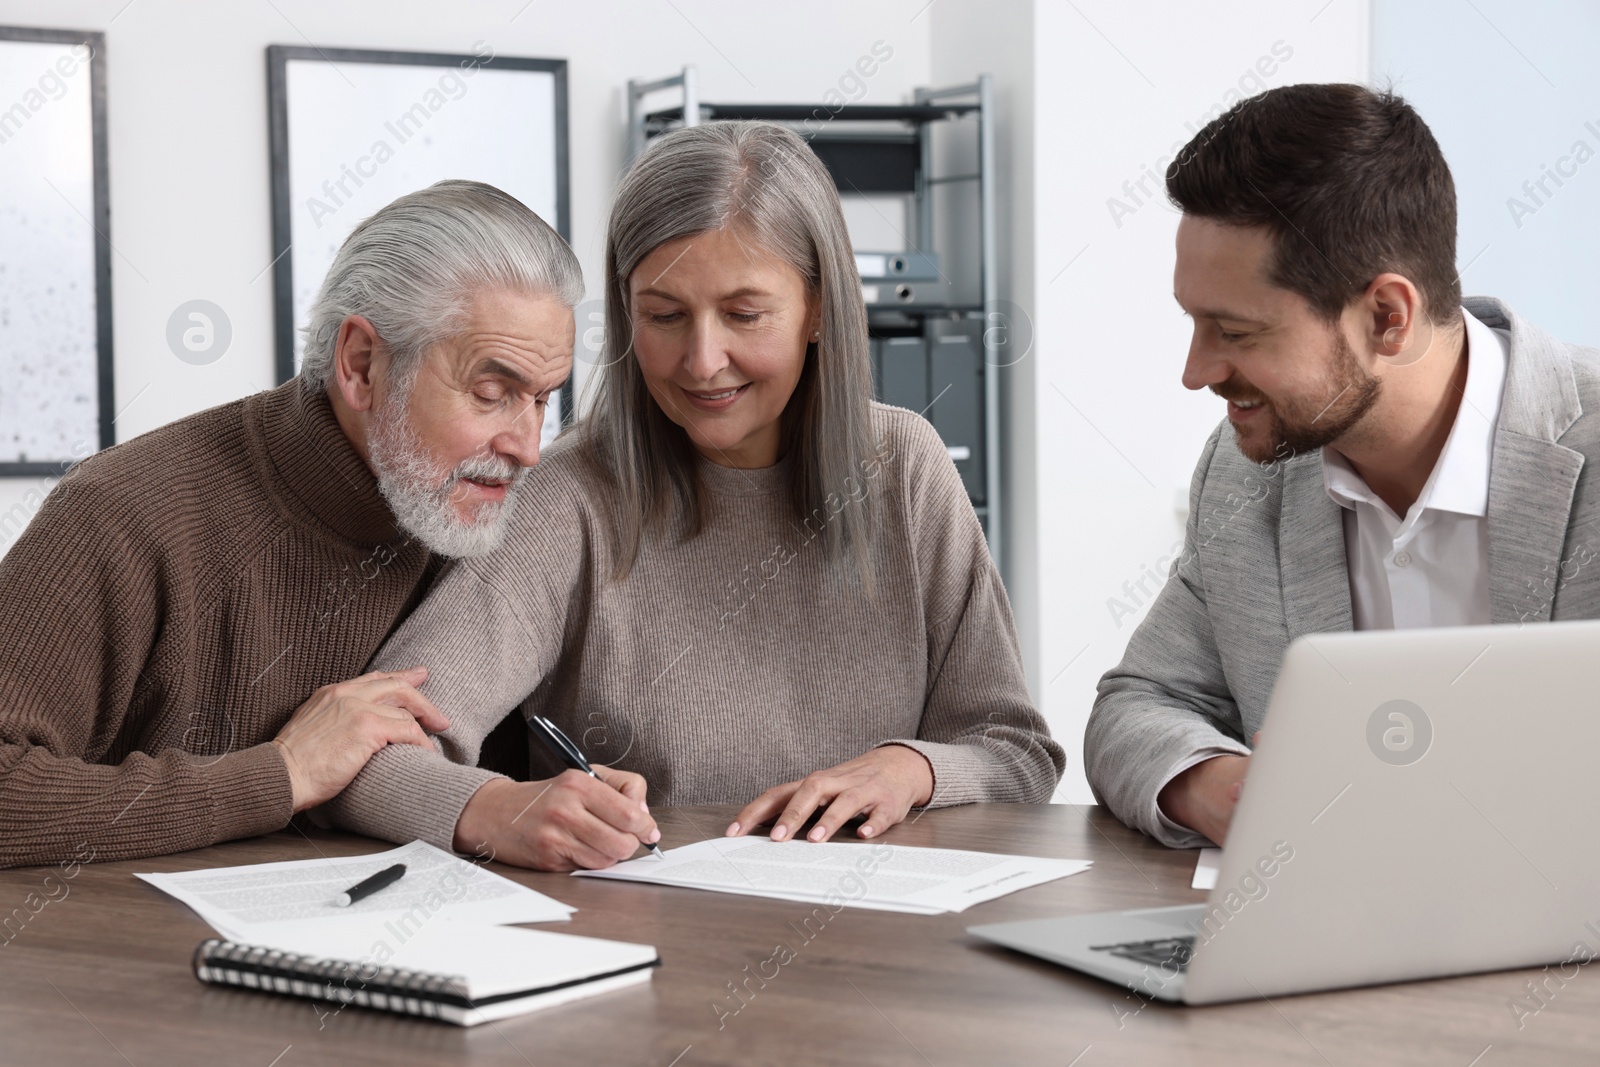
(184, 624)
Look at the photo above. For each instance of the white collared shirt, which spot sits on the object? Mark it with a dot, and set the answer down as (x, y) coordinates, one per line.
(1430, 568)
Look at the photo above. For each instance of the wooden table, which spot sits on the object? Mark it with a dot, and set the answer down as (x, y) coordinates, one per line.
(101, 976)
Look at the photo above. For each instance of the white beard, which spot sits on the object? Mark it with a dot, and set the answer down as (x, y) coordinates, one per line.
(408, 478)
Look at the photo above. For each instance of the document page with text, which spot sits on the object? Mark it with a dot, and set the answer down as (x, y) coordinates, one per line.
(878, 875)
(239, 900)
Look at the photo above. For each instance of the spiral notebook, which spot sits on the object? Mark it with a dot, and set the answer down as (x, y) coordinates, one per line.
(459, 974)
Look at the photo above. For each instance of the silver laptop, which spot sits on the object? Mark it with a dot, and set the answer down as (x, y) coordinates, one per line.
(1421, 803)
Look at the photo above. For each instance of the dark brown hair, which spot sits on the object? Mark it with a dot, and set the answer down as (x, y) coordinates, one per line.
(1350, 183)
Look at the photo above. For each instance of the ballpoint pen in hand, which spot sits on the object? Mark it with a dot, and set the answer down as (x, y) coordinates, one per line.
(571, 755)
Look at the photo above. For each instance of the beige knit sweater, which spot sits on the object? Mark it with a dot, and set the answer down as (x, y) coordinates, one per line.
(173, 602)
(729, 663)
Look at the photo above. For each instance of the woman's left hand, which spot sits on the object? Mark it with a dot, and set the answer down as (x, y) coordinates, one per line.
(883, 784)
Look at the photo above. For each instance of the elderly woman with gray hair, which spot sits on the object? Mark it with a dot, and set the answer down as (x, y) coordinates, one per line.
(738, 577)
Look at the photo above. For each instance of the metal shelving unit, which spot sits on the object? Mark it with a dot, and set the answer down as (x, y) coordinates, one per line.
(928, 313)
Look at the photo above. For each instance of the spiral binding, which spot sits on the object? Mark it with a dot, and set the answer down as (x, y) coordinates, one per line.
(393, 989)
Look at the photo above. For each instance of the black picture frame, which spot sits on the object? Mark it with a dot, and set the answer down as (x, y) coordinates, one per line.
(105, 376)
(278, 57)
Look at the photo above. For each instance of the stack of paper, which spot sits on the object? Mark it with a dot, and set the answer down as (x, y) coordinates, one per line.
(430, 944)
(1206, 868)
(923, 881)
(284, 905)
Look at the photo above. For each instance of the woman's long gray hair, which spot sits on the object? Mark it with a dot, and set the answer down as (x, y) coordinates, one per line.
(763, 180)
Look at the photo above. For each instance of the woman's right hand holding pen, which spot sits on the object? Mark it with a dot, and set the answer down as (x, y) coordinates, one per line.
(569, 822)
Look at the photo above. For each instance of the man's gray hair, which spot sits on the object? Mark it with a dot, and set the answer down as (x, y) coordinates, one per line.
(411, 268)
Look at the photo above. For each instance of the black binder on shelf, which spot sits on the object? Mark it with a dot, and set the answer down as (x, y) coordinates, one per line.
(955, 361)
(905, 373)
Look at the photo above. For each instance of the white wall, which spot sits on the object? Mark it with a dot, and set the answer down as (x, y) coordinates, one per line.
(1512, 92)
(1117, 434)
(996, 37)
(188, 134)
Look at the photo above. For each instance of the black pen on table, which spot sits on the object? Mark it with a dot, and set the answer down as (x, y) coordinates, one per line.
(368, 886)
(570, 754)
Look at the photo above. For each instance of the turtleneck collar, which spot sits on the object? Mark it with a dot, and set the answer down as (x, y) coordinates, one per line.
(318, 471)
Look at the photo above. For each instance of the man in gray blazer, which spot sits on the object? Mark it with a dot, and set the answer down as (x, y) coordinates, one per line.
(1393, 456)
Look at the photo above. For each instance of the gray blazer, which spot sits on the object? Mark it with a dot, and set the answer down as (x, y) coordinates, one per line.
(1264, 563)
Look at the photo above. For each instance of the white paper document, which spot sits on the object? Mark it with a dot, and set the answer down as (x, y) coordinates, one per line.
(925, 881)
(1206, 868)
(261, 903)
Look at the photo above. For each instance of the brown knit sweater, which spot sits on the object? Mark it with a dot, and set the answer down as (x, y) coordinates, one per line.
(173, 602)
(729, 663)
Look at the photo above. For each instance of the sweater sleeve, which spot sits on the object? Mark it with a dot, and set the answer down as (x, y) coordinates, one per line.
(83, 605)
(980, 730)
(488, 632)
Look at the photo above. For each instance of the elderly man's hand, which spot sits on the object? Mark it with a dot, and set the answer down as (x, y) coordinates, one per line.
(330, 737)
(570, 822)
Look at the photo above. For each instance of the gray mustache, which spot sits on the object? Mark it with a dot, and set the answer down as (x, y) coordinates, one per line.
(490, 467)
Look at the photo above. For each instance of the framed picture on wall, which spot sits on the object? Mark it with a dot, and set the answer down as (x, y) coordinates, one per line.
(353, 129)
(55, 251)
